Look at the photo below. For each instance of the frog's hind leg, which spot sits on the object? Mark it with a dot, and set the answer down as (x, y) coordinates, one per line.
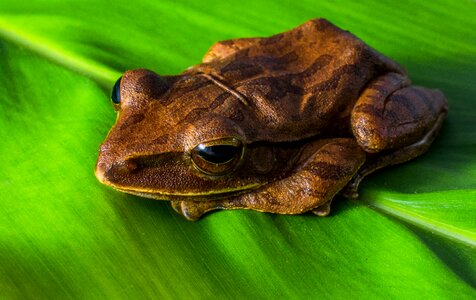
(388, 158)
(310, 188)
(394, 122)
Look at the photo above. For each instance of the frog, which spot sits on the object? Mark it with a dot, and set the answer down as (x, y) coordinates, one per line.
(281, 124)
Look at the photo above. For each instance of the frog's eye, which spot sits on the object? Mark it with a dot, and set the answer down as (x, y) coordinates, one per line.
(116, 92)
(218, 157)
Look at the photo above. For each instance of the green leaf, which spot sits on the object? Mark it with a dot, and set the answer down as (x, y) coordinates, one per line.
(411, 234)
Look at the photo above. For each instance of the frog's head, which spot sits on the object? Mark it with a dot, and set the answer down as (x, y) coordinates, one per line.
(172, 140)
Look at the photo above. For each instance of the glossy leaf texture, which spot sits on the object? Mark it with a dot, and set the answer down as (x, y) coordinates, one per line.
(411, 234)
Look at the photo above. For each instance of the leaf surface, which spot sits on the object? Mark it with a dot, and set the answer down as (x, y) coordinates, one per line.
(411, 234)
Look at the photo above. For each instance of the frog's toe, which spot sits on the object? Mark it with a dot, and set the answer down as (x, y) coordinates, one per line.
(322, 210)
(188, 211)
(350, 191)
(177, 206)
(192, 210)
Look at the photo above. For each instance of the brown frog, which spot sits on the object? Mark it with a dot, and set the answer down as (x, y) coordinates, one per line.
(279, 124)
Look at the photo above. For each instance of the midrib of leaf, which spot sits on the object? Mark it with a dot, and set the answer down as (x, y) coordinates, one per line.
(99, 73)
(389, 205)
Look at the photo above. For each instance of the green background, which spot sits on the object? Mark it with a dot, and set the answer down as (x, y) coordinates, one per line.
(411, 234)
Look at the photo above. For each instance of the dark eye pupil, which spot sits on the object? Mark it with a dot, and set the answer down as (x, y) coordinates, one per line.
(218, 157)
(116, 92)
(218, 154)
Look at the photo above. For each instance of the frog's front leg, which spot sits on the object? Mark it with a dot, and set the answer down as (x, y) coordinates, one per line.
(395, 122)
(310, 188)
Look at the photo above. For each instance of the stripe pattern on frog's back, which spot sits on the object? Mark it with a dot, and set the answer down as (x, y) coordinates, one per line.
(297, 81)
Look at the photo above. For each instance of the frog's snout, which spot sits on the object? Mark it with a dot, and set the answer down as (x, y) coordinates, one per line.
(99, 174)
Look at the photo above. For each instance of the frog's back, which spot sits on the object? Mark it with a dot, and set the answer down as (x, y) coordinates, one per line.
(298, 82)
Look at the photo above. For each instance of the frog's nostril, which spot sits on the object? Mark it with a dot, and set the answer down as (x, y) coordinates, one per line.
(131, 166)
(125, 167)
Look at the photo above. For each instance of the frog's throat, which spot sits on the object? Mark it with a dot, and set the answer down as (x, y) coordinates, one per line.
(196, 196)
(225, 87)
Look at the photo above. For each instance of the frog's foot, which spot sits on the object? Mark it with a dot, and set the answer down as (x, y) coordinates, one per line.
(421, 113)
(388, 158)
(193, 210)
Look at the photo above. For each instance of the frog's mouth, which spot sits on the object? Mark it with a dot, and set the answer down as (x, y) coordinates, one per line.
(204, 196)
(160, 183)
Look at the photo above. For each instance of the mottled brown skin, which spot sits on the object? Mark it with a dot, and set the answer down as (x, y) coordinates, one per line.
(316, 108)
